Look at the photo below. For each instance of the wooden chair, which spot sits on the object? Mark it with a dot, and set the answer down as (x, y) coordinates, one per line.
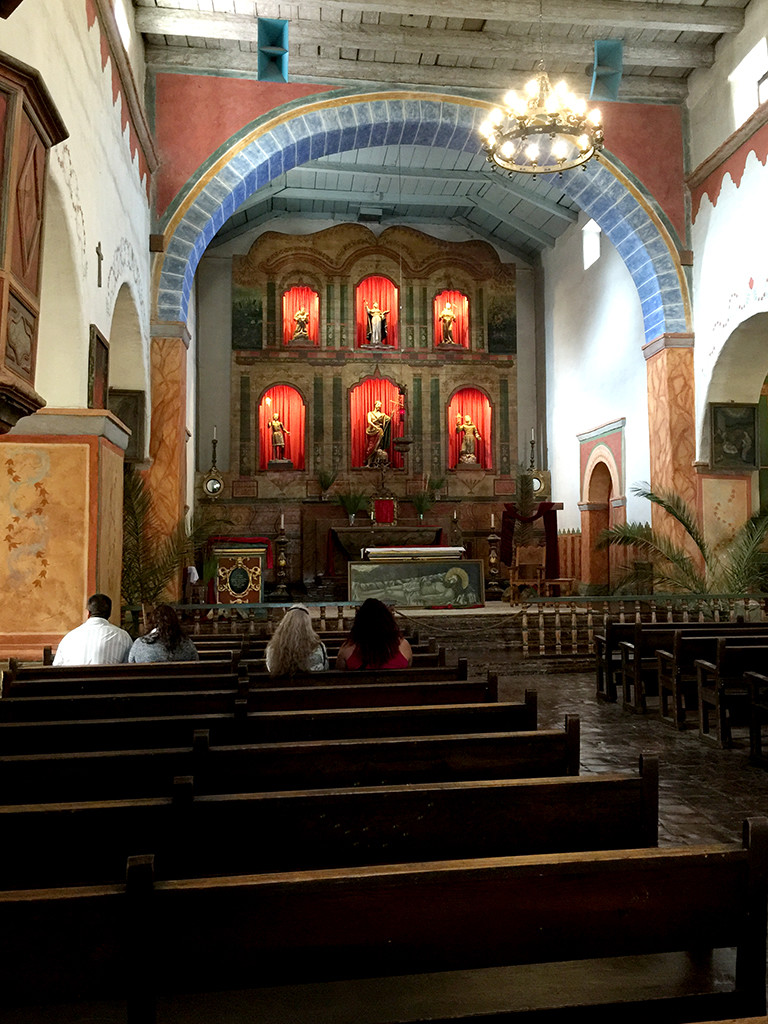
(527, 570)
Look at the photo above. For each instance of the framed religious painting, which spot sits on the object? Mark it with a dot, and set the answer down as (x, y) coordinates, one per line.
(734, 437)
(98, 369)
(413, 583)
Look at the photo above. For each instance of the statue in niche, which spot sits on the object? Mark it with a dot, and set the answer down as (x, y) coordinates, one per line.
(301, 332)
(377, 323)
(446, 318)
(470, 437)
(377, 435)
(278, 438)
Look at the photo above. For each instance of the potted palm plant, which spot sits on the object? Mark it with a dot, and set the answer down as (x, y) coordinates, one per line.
(352, 502)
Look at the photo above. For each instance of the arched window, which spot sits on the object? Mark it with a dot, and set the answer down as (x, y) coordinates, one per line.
(451, 318)
(362, 401)
(287, 405)
(380, 295)
(301, 309)
(477, 443)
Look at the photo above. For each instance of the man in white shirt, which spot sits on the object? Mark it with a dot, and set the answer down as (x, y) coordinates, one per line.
(97, 641)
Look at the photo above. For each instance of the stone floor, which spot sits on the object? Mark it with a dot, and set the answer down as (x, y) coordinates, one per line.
(705, 793)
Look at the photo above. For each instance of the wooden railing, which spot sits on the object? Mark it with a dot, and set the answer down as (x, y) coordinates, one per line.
(567, 626)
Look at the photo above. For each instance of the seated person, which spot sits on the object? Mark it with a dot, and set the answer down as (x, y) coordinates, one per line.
(295, 646)
(375, 640)
(165, 641)
(96, 641)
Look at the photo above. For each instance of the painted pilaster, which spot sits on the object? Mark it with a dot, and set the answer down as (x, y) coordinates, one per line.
(167, 473)
(671, 418)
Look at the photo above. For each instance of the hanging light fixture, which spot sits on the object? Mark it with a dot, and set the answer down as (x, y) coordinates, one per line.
(545, 130)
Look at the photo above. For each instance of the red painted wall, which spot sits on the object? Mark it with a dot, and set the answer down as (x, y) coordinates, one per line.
(648, 139)
(194, 115)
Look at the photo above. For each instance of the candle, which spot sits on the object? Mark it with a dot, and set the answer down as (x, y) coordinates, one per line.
(493, 520)
(282, 521)
(532, 435)
(214, 433)
(455, 515)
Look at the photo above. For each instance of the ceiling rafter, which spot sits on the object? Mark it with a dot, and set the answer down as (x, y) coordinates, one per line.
(303, 31)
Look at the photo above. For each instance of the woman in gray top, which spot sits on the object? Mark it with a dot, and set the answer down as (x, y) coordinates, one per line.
(166, 641)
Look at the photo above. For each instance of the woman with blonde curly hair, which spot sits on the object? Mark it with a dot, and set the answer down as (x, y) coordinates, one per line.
(295, 646)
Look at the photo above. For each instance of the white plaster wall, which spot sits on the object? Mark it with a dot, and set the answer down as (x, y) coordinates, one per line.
(214, 353)
(98, 187)
(596, 370)
(730, 285)
(711, 116)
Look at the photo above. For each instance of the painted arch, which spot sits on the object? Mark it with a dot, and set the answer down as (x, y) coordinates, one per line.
(295, 133)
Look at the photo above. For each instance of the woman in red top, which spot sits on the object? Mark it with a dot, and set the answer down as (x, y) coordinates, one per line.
(375, 640)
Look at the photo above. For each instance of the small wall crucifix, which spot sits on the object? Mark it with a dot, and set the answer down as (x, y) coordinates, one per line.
(100, 257)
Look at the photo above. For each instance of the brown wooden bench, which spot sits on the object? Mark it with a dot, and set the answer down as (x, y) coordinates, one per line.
(638, 675)
(54, 681)
(342, 677)
(723, 692)
(266, 726)
(629, 935)
(98, 775)
(608, 652)
(676, 670)
(320, 828)
(239, 701)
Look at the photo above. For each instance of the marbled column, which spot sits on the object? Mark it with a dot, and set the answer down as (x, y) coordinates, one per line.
(671, 422)
(167, 476)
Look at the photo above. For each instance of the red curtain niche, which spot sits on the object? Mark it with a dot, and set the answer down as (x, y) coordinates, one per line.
(361, 400)
(293, 300)
(381, 290)
(288, 405)
(474, 402)
(460, 304)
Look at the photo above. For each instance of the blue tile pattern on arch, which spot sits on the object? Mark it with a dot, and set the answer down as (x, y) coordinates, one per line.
(410, 120)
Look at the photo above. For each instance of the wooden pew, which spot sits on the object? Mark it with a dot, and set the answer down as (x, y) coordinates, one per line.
(757, 685)
(320, 828)
(420, 670)
(677, 677)
(608, 651)
(100, 775)
(268, 726)
(723, 693)
(627, 935)
(239, 701)
(639, 661)
(55, 681)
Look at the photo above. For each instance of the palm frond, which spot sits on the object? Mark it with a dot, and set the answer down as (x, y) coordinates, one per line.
(673, 566)
(676, 507)
(744, 564)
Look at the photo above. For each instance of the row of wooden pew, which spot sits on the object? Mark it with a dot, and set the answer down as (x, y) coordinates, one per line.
(706, 675)
(158, 848)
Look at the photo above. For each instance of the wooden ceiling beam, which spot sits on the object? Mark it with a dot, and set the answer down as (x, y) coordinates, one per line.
(323, 71)
(503, 47)
(632, 14)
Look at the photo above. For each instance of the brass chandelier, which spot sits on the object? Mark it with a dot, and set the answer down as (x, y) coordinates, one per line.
(545, 130)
